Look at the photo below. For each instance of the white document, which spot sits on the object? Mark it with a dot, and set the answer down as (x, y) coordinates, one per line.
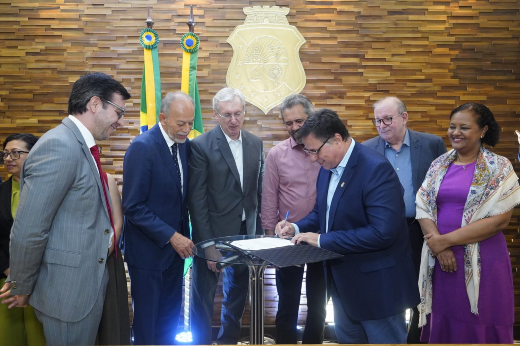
(261, 243)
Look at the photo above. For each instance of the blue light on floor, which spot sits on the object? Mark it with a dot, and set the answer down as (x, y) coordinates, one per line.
(184, 337)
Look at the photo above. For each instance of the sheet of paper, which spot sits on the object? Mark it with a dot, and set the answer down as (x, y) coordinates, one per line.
(261, 243)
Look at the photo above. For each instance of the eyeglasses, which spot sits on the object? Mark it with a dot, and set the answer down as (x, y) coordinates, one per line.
(123, 110)
(227, 115)
(15, 154)
(387, 121)
(315, 152)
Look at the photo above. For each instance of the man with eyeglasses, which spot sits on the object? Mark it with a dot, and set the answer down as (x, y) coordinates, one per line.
(63, 230)
(156, 227)
(359, 212)
(411, 154)
(290, 186)
(226, 171)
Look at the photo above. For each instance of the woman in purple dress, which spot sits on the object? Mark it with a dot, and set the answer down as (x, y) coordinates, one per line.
(465, 201)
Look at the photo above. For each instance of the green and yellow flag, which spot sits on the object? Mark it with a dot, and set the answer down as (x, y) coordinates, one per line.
(190, 45)
(151, 83)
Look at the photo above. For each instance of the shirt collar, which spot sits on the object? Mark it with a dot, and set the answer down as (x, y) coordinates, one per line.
(292, 142)
(167, 138)
(405, 142)
(87, 135)
(229, 138)
(341, 166)
(15, 185)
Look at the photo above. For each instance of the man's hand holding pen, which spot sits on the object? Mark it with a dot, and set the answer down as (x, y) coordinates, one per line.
(284, 229)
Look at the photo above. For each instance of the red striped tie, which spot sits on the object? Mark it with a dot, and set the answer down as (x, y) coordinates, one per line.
(104, 182)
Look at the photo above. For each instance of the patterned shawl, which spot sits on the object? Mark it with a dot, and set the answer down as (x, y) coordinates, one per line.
(494, 190)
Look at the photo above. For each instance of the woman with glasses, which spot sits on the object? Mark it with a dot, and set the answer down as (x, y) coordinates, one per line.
(18, 326)
(464, 203)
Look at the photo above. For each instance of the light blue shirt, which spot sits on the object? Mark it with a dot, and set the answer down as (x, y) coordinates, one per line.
(333, 184)
(402, 162)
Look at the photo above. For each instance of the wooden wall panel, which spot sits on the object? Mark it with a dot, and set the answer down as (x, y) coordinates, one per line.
(434, 55)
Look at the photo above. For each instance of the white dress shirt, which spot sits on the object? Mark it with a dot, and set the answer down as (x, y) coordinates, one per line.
(238, 155)
(170, 142)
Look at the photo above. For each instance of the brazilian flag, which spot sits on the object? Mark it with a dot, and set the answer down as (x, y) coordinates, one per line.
(190, 46)
(151, 83)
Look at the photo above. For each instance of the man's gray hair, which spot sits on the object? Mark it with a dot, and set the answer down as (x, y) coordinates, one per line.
(294, 100)
(228, 94)
(169, 99)
(401, 107)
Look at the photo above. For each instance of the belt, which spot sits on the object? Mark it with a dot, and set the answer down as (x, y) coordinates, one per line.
(410, 220)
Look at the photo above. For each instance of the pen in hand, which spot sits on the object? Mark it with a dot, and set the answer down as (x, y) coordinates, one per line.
(286, 217)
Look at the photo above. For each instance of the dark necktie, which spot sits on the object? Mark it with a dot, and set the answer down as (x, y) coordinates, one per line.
(104, 182)
(176, 162)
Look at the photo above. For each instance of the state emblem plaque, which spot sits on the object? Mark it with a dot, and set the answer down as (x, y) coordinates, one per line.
(266, 64)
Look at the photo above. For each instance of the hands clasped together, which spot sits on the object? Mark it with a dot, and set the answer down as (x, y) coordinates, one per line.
(442, 252)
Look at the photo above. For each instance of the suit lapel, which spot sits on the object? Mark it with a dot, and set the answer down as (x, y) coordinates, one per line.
(183, 152)
(88, 155)
(381, 146)
(165, 154)
(343, 183)
(226, 153)
(247, 160)
(323, 187)
(415, 153)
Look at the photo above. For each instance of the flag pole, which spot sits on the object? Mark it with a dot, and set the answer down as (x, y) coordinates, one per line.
(191, 23)
(191, 26)
(149, 21)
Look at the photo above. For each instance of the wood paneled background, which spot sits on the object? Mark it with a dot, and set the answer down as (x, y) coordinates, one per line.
(434, 55)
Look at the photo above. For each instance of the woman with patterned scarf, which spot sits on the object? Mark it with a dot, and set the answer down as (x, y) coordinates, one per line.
(465, 201)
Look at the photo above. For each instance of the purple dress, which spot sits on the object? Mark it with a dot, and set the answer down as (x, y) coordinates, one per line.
(451, 320)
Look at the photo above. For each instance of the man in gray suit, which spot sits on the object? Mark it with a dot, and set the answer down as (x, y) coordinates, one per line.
(411, 154)
(62, 232)
(226, 171)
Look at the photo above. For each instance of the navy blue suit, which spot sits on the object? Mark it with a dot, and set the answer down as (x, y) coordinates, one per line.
(424, 148)
(155, 208)
(375, 279)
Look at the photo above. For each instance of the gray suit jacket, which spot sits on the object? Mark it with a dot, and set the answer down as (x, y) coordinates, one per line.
(60, 236)
(215, 198)
(425, 148)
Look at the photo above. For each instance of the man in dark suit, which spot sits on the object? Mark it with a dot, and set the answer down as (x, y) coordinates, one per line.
(226, 172)
(411, 154)
(359, 211)
(62, 231)
(155, 243)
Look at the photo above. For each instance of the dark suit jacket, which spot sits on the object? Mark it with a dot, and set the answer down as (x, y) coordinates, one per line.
(153, 204)
(215, 198)
(376, 277)
(6, 222)
(424, 148)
